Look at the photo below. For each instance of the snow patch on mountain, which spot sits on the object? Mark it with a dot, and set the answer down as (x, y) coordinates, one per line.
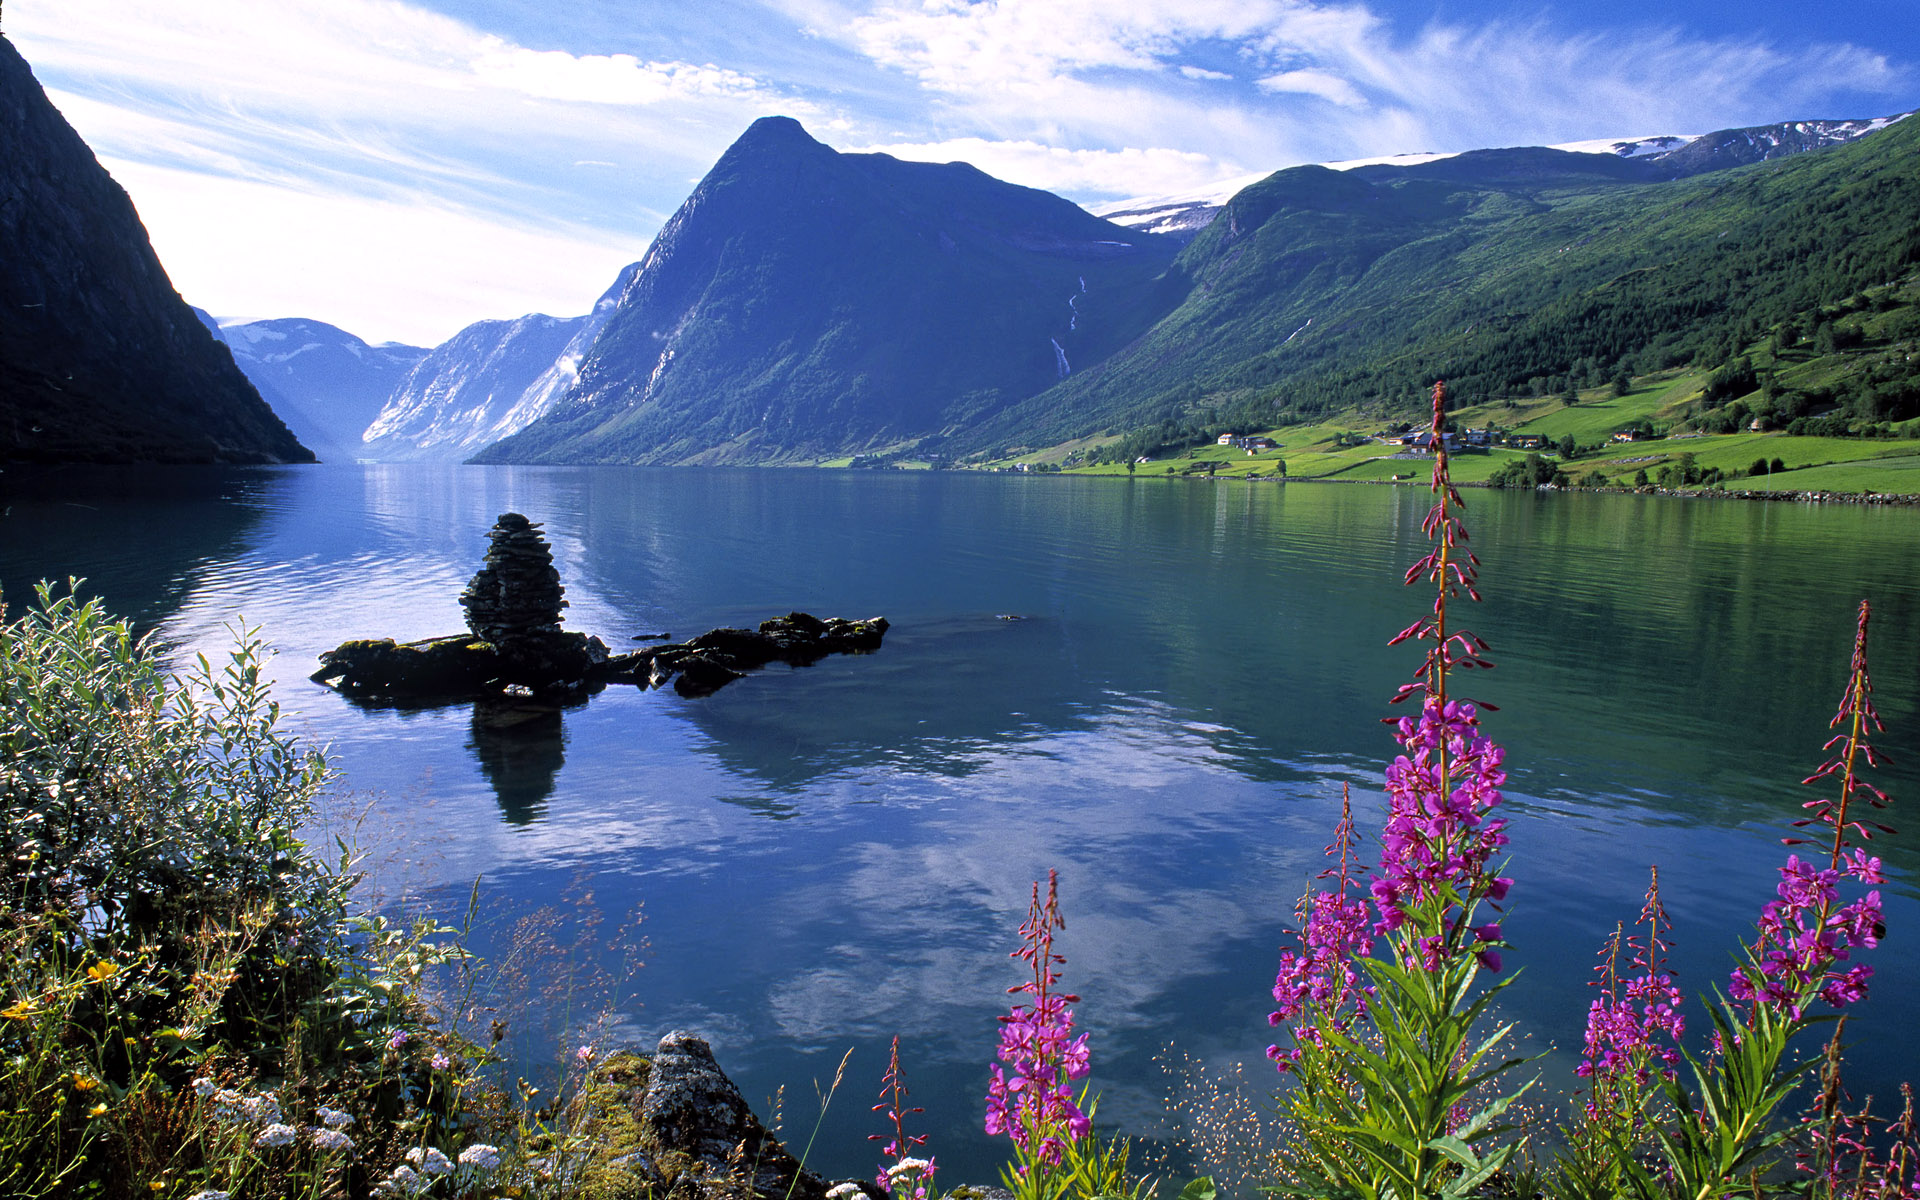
(490, 380)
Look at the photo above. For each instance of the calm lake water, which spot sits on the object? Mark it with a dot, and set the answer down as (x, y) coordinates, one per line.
(829, 856)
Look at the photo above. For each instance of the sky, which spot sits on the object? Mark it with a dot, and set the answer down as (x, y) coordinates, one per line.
(402, 168)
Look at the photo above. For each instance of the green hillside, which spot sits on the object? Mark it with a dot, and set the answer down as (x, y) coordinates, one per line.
(1515, 275)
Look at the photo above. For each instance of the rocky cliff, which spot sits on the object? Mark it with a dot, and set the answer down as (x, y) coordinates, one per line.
(100, 359)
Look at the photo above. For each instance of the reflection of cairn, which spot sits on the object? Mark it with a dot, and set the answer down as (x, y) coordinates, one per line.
(517, 593)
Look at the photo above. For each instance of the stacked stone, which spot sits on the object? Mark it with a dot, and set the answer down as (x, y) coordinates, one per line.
(517, 593)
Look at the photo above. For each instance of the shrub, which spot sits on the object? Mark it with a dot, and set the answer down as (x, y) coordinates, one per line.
(185, 992)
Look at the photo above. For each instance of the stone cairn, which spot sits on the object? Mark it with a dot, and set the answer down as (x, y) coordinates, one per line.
(516, 594)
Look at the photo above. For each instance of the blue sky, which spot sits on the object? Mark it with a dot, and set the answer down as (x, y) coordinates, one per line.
(403, 167)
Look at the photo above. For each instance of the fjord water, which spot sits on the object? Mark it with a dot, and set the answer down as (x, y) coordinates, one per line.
(832, 855)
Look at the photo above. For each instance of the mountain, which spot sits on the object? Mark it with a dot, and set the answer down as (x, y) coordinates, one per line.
(804, 304)
(1762, 143)
(324, 382)
(1667, 156)
(1316, 290)
(490, 380)
(100, 359)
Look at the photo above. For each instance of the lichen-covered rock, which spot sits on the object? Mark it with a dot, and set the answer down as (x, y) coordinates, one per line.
(674, 1127)
(380, 668)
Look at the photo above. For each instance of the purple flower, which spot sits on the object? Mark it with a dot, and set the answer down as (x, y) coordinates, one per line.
(398, 1038)
(1804, 935)
(1440, 833)
(1031, 1100)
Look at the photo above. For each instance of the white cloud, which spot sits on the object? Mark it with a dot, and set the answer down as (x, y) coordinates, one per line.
(1315, 83)
(603, 78)
(352, 124)
(1105, 73)
(1193, 72)
(384, 270)
(1128, 171)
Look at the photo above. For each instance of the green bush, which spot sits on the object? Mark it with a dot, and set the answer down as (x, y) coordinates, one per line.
(180, 977)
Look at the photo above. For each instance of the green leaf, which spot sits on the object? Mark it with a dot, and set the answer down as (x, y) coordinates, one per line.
(1199, 1189)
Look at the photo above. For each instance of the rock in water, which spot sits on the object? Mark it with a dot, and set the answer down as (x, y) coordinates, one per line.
(673, 1127)
(517, 594)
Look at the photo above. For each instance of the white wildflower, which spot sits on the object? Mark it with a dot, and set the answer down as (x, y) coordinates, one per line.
(262, 1110)
(276, 1135)
(839, 1190)
(481, 1156)
(905, 1165)
(333, 1118)
(331, 1140)
(204, 1087)
(403, 1179)
(429, 1160)
(210, 1194)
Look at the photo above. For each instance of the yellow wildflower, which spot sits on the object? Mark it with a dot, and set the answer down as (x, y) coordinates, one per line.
(98, 1110)
(20, 1010)
(84, 1083)
(103, 970)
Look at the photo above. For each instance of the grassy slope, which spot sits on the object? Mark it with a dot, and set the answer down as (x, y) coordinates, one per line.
(1812, 463)
(1492, 282)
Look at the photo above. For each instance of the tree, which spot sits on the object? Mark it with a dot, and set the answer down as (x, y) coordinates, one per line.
(1567, 449)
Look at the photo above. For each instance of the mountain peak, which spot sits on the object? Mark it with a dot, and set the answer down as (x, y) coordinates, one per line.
(772, 133)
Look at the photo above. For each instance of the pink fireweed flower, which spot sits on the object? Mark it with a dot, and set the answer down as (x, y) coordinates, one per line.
(899, 1147)
(1634, 1028)
(1031, 1101)
(1336, 930)
(1805, 933)
(1441, 833)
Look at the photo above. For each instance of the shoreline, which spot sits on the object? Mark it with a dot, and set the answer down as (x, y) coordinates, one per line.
(1885, 499)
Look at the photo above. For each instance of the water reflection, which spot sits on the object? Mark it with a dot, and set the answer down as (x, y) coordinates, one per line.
(842, 852)
(521, 746)
(143, 538)
(519, 743)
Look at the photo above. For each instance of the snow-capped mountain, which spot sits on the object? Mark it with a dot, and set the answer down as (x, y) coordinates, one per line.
(324, 382)
(492, 379)
(1670, 156)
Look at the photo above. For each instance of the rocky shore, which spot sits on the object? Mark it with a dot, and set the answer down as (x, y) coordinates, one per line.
(672, 1126)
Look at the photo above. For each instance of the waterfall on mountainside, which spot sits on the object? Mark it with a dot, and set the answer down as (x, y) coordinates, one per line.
(1060, 358)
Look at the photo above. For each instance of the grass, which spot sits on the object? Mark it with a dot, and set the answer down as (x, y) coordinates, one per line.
(1314, 452)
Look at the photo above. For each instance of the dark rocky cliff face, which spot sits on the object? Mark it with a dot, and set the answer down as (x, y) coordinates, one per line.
(100, 359)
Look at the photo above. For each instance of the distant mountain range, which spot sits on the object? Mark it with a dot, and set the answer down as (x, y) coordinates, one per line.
(1668, 156)
(805, 305)
(324, 382)
(100, 359)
